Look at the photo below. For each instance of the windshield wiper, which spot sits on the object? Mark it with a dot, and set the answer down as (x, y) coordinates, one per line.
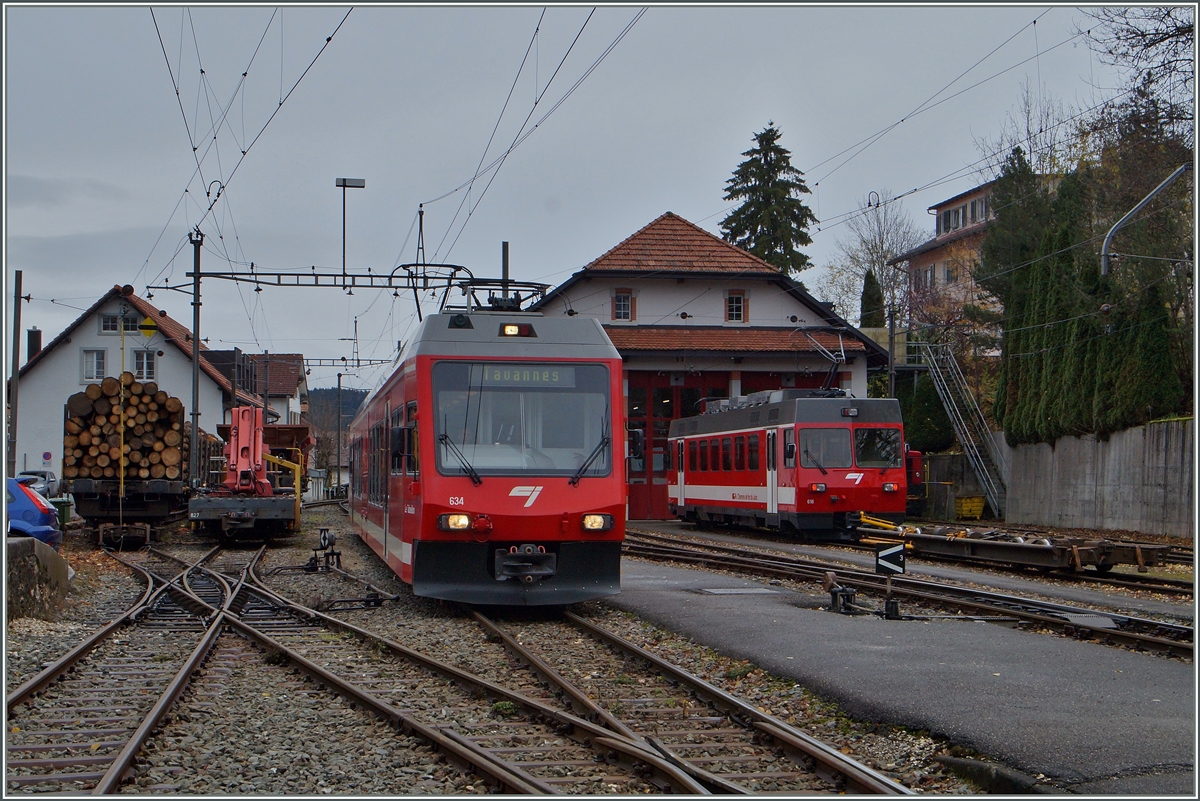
(600, 446)
(808, 453)
(470, 471)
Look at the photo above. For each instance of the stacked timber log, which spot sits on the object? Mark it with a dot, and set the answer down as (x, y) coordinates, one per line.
(121, 425)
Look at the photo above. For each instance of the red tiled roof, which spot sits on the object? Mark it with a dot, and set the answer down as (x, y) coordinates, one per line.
(698, 338)
(174, 331)
(282, 370)
(672, 244)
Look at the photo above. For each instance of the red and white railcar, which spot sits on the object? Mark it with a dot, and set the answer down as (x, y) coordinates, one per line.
(787, 460)
(489, 468)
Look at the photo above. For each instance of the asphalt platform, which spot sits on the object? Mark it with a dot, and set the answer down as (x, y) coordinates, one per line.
(1090, 718)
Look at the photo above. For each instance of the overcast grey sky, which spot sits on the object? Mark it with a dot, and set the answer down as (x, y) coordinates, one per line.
(99, 150)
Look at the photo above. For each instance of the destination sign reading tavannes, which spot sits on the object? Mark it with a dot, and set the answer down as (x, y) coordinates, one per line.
(526, 375)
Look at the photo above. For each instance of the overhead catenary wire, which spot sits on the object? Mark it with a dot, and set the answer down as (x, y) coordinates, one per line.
(248, 147)
(504, 156)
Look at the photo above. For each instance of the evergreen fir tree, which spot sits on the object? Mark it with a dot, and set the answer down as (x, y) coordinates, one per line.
(871, 311)
(772, 221)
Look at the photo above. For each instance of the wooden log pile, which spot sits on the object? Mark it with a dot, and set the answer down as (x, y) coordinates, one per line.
(122, 425)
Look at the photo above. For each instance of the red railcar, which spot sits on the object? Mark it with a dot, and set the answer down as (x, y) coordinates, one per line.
(790, 460)
(489, 467)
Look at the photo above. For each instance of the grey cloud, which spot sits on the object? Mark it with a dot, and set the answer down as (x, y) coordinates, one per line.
(29, 190)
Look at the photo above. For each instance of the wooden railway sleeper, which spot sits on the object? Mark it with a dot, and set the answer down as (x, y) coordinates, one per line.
(596, 713)
(857, 777)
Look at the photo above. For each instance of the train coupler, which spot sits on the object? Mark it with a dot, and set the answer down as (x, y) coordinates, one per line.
(527, 563)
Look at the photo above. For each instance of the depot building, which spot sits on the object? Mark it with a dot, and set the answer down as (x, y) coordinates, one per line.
(694, 317)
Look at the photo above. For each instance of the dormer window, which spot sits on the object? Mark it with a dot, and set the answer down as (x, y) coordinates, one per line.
(737, 306)
(624, 305)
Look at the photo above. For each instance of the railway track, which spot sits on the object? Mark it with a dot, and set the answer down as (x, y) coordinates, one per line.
(1111, 627)
(722, 744)
(77, 725)
(1132, 581)
(728, 745)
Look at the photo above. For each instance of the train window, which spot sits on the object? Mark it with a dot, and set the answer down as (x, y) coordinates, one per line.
(692, 463)
(752, 453)
(727, 453)
(412, 462)
(397, 442)
(714, 454)
(739, 453)
(825, 448)
(376, 461)
(513, 418)
(789, 447)
(877, 447)
(703, 454)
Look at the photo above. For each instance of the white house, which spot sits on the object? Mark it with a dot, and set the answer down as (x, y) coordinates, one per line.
(106, 340)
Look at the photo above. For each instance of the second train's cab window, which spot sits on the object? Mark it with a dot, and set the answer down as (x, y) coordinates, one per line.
(825, 448)
(877, 447)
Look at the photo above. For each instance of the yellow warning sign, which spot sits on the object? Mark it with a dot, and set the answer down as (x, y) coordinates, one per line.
(148, 327)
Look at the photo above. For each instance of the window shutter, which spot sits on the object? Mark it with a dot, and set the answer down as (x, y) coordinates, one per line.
(745, 309)
(632, 307)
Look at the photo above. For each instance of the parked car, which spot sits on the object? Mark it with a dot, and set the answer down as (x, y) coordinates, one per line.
(46, 484)
(31, 515)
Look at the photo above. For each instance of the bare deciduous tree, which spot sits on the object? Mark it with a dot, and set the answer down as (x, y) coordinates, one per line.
(878, 233)
(1052, 136)
(1156, 44)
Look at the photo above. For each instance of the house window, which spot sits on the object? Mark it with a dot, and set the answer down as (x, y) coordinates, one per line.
(951, 273)
(108, 324)
(624, 305)
(93, 365)
(737, 307)
(143, 365)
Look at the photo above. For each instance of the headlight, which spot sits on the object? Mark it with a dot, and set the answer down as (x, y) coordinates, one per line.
(457, 522)
(890, 487)
(597, 522)
(816, 487)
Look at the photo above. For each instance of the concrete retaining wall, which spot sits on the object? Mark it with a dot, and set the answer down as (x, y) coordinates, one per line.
(38, 578)
(1141, 479)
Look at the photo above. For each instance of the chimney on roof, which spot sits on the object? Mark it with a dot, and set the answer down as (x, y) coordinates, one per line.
(33, 338)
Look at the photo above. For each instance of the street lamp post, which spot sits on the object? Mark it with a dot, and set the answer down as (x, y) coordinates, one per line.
(347, 183)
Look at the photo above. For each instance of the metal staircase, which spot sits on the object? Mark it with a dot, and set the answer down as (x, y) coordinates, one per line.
(969, 424)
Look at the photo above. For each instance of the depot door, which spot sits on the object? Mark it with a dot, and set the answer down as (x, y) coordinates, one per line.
(655, 399)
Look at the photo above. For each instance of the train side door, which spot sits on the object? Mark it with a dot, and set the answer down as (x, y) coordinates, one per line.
(679, 486)
(772, 472)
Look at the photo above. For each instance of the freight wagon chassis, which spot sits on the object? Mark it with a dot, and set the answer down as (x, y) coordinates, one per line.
(243, 514)
(1014, 548)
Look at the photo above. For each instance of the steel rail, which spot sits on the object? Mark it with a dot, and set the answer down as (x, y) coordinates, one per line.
(111, 780)
(594, 712)
(857, 777)
(1135, 581)
(67, 660)
(1050, 615)
(583, 730)
(117, 766)
(485, 763)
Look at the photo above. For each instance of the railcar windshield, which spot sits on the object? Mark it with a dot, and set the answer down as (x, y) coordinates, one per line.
(825, 448)
(877, 447)
(522, 418)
